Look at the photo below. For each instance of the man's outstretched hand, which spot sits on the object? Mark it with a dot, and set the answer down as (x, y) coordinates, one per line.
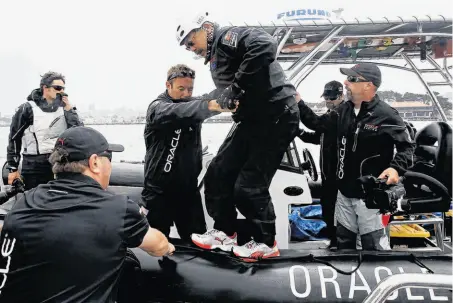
(229, 96)
(214, 106)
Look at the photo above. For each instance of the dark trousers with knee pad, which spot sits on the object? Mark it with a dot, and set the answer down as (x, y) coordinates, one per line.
(375, 240)
(241, 173)
(185, 209)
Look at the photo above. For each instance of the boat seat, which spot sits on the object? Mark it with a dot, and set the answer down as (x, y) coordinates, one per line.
(433, 155)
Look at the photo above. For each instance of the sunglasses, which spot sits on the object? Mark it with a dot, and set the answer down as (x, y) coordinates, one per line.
(106, 154)
(189, 42)
(354, 79)
(57, 87)
(181, 74)
(331, 98)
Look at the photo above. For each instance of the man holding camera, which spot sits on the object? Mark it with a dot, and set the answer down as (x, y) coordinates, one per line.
(368, 130)
(333, 96)
(35, 126)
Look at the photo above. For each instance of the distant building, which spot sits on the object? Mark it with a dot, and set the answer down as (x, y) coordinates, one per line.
(415, 110)
(319, 108)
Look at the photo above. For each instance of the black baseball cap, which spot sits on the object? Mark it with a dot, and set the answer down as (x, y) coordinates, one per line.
(369, 71)
(81, 142)
(333, 88)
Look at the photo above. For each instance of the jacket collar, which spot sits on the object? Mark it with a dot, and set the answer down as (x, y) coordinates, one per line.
(215, 41)
(78, 177)
(366, 106)
(165, 95)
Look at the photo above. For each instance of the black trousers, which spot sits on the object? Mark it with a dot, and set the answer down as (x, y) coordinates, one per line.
(240, 174)
(185, 210)
(31, 180)
(328, 200)
(36, 169)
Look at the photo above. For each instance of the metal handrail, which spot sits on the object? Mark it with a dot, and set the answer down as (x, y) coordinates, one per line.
(393, 20)
(444, 74)
(395, 282)
(283, 42)
(445, 35)
(292, 57)
(430, 91)
(313, 66)
(299, 65)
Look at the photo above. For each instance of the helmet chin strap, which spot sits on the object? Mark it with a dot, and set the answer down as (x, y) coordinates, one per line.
(209, 39)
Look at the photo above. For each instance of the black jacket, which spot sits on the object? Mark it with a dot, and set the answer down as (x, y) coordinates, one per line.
(247, 57)
(328, 141)
(366, 143)
(173, 143)
(69, 242)
(23, 118)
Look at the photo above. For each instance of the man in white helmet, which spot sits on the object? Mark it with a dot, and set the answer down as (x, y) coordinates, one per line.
(244, 67)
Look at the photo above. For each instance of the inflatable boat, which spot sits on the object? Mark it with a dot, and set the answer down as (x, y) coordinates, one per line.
(308, 271)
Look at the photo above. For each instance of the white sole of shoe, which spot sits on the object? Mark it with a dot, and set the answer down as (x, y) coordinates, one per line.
(225, 248)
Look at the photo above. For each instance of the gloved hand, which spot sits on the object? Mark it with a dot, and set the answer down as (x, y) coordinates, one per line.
(229, 95)
(300, 134)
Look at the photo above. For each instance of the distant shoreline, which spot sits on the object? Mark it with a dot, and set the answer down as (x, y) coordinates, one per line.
(138, 123)
(222, 122)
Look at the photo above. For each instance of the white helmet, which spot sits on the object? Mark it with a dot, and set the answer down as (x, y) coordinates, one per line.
(186, 26)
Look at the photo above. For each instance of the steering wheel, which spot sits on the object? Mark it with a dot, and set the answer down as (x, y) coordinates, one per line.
(434, 153)
(309, 164)
(430, 194)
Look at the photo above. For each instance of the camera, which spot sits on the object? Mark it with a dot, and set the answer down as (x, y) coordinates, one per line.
(16, 187)
(386, 198)
(59, 99)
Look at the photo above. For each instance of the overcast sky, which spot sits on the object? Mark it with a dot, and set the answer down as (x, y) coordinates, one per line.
(117, 53)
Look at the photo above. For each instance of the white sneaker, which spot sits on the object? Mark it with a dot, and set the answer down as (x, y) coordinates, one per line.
(213, 239)
(253, 251)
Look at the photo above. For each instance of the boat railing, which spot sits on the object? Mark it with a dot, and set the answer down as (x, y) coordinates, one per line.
(392, 283)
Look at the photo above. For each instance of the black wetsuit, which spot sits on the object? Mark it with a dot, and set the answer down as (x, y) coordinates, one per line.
(172, 164)
(266, 121)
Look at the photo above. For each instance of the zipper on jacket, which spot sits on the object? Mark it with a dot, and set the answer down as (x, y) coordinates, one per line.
(356, 135)
(322, 153)
(393, 125)
(37, 146)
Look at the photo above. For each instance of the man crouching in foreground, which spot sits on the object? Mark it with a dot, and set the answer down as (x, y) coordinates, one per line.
(66, 241)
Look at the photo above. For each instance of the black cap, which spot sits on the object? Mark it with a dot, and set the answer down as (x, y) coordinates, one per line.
(333, 88)
(369, 71)
(81, 142)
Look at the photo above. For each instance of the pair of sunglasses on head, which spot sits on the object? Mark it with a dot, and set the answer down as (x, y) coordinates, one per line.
(181, 74)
